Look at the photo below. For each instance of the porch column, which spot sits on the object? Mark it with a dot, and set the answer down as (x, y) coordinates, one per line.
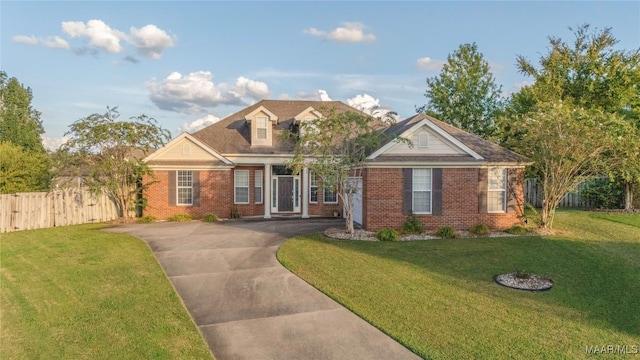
(267, 191)
(305, 193)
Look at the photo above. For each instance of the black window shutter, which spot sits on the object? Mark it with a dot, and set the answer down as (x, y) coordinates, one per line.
(436, 189)
(483, 185)
(407, 191)
(172, 188)
(196, 187)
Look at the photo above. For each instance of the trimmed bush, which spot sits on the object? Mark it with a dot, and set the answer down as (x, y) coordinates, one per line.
(480, 229)
(516, 230)
(147, 219)
(387, 235)
(181, 218)
(412, 225)
(446, 232)
(210, 218)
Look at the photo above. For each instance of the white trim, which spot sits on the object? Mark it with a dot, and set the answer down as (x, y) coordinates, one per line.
(310, 110)
(178, 187)
(432, 126)
(189, 167)
(191, 138)
(235, 186)
(255, 186)
(272, 116)
(312, 175)
(505, 174)
(430, 191)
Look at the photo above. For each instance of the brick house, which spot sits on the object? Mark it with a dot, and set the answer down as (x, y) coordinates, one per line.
(448, 177)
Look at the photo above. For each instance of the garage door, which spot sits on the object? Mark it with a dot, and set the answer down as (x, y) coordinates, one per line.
(356, 200)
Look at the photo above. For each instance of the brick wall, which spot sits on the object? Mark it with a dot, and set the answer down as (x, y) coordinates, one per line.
(216, 195)
(250, 209)
(383, 200)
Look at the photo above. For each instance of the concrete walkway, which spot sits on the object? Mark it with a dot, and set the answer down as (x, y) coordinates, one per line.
(246, 304)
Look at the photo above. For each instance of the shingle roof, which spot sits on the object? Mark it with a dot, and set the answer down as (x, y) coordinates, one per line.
(488, 150)
(231, 135)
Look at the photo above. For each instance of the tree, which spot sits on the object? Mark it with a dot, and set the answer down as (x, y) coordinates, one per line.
(565, 143)
(23, 170)
(109, 153)
(465, 93)
(591, 74)
(335, 148)
(19, 121)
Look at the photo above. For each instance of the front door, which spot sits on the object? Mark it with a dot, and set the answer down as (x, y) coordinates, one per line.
(285, 193)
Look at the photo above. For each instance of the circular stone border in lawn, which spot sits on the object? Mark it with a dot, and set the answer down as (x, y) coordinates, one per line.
(531, 283)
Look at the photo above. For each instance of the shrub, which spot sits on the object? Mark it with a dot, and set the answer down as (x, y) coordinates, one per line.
(181, 217)
(210, 218)
(604, 194)
(412, 225)
(521, 274)
(387, 235)
(517, 230)
(480, 229)
(147, 219)
(446, 232)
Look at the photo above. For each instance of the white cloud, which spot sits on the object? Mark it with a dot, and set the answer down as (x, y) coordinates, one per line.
(99, 34)
(198, 124)
(54, 42)
(150, 40)
(256, 90)
(368, 105)
(52, 143)
(196, 90)
(318, 95)
(426, 63)
(24, 39)
(350, 32)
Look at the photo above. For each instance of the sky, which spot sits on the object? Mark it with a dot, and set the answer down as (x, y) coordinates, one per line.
(189, 64)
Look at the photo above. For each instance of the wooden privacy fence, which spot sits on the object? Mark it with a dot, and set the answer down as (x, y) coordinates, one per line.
(25, 211)
(574, 199)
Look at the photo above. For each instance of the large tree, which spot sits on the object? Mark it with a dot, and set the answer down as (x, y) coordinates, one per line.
(465, 93)
(19, 121)
(335, 148)
(590, 74)
(108, 153)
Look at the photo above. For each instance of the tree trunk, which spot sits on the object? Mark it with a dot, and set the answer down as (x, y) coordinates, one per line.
(628, 196)
(348, 214)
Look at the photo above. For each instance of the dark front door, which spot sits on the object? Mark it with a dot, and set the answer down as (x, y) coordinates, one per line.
(285, 193)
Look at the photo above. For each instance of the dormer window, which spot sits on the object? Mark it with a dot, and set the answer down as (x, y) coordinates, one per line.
(423, 140)
(261, 127)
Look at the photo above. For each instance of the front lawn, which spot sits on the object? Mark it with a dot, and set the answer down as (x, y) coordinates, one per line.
(79, 293)
(437, 297)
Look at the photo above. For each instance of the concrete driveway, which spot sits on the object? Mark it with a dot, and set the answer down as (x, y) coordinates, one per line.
(247, 305)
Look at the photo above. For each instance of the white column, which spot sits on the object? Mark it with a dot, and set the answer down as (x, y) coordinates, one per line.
(304, 187)
(267, 191)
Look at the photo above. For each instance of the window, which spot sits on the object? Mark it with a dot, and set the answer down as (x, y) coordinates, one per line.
(313, 187)
(258, 187)
(421, 191)
(330, 195)
(241, 187)
(497, 195)
(261, 127)
(423, 140)
(185, 187)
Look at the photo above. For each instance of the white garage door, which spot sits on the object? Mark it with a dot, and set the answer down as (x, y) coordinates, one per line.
(356, 200)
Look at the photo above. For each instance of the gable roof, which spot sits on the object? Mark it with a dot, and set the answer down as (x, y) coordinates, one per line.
(156, 157)
(231, 135)
(478, 148)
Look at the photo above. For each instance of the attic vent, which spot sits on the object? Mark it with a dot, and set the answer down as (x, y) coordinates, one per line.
(423, 140)
(186, 149)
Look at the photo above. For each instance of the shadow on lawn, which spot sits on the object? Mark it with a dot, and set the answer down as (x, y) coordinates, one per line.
(599, 280)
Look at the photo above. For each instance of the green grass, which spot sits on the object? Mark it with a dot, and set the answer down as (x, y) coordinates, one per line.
(438, 298)
(78, 293)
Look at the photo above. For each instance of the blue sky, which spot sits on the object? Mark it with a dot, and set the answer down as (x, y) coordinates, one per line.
(190, 63)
